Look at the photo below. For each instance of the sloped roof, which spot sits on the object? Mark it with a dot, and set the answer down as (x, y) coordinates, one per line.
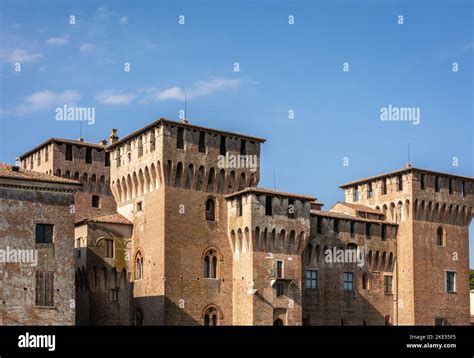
(256, 190)
(361, 208)
(7, 171)
(61, 141)
(110, 218)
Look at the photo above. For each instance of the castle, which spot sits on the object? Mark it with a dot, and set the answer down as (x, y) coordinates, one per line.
(166, 232)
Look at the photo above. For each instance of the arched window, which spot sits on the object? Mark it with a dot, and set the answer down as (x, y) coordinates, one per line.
(210, 180)
(211, 316)
(365, 281)
(138, 266)
(440, 236)
(189, 177)
(179, 175)
(211, 262)
(210, 209)
(278, 322)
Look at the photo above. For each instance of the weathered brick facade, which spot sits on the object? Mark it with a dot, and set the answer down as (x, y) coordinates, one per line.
(196, 242)
(28, 200)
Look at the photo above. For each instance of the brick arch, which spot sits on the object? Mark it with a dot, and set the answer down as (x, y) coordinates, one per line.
(189, 180)
(256, 238)
(242, 181)
(148, 182)
(290, 248)
(169, 173)
(246, 242)
(221, 182)
(231, 182)
(281, 240)
(93, 184)
(134, 185)
(178, 177)
(212, 307)
(153, 175)
(272, 240)
(129, 187)
(159, 175)
(210, 186)
(201, 174)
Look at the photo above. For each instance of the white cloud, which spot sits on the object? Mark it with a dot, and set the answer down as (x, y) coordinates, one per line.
(58, 41)
(123, 20)
(46, 99)
(87, 47)
(19, 55)
(199, 89)
(111, 97)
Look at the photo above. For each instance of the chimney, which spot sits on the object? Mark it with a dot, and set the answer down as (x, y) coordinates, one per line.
(81, 139)
(103, 142)
(15, 168)
(113, 136)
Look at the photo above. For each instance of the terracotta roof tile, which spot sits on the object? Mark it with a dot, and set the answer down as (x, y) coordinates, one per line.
(6, 171)
(270, 192)
(110, 218)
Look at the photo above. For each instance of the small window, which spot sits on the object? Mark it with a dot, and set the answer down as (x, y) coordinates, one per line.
(400, 183)
(463, 189)
(440, 236)
(139, 206)
(450, 281)
(280, 289)
(311, 279)
(387, 283)
(210, 209)
(450, 183)
(95, 201)
(384, 186)
(89, 155)
(107, 159)
(440, 321)
(291, 208)
(202, 142)
(437, 184)
(368, 230)
(243, 147)
(223, 148)
(44, 291)
(369, 190)
(268, 206)
(239, 206)
(109, 248)
(352, 228)
(356, 195)
(336, 226)
(180, 139)
(114, 295)
(138, 266)
(69, 152)
(44, 234)
(211, 264)
(319, 225)
(348, 281)
(384, 232)
(422, 181)
(279, 269)
(365, 281)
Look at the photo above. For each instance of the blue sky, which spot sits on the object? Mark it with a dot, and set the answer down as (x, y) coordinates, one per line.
(283, 67)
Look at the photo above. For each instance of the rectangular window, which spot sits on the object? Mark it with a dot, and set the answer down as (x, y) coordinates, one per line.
(107, 159)
(69, 152)
(46, 153)
(223, 148)
(450, 186)
(110, 248)
(352, 225)
(280, 289)
(348, 281)
(44, 291)
(95, 201)
(44, 234)
(356, 195)
(114, 295)
(384, 232)
(202, 142)
(180, 139)
(437, 184)
(450, 281)
(279, 269)
(243, 147)
(139, 206)
(387, 284)
(140, 147)
(463, 189)
(400, 183)
(239, 206)
(422, 181)
(89, 155)
(369, 189)
(368, 230)
(319, 225)
(291, 208)
(336, 226)
(384, 186)
(311, 279)
(268, 206)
